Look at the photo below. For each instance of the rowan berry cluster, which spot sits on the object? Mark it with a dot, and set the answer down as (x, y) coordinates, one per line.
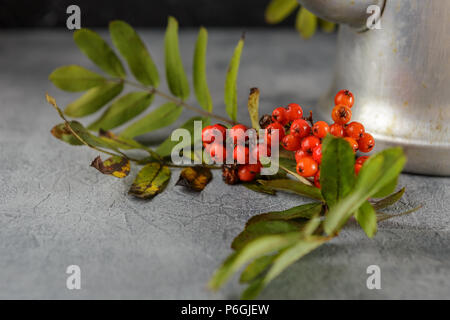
(296, 133)
(304, 137)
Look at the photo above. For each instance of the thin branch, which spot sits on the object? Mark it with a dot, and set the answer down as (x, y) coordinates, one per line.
(177, 101)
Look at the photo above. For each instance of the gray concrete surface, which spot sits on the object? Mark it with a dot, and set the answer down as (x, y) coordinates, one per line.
(56, 211)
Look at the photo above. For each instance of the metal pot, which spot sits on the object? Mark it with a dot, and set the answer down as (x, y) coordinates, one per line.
(400, 74)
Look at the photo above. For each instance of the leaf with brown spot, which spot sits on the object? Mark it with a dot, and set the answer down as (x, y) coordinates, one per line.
(253, 107)
(195, 178)
(116, 166)
(61, 132)
(151, 180)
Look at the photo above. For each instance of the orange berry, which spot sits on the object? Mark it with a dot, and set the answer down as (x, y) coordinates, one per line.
(353, 143)
(337, 130)
(354, 130)
(320, 129)
(344, 97)
(307, 167)
(366, 143)
(341, 114)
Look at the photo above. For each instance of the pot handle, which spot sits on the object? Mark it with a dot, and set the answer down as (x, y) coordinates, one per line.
(350, 12)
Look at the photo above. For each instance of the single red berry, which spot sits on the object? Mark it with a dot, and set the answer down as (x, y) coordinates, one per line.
(279, 115)
(211, 133)
(357, 168)
(354, 130)
(309, 143)
(208, 134)
(294, 112)
(317, 179)
(341, 114)
(291, 142)
(362, 159)
(344, 97)
(307, 167)
(320, 129)
(317, 154)
(241, 154)
(337, 130)
(300, 128)
(269, 132)
(218, 153)
(353, 143)
(366, 143)
(260, 149)
(248, 172)
(237, 133)
(300, 154)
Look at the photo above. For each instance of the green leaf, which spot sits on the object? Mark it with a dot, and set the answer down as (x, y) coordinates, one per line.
(165, 148)
(306, 23)
(253, 107)
(74, 78)
(93, 99)
(263, 228)
(231, 81)
(131, 47)
(283, 260)
(176, 77)
(388, 201)
(255, 268)
(305, 211)
(327, 26)
(163, 116)
(367, 219)
(293, 186)
(337, 173)
(151, 180)
(199, 71)
(387, 189)
(378, 171)
(257, 187)
(278, 10)
(253, 250)
(96, 49)
(382, 216)
(122, 110)
(116, 166)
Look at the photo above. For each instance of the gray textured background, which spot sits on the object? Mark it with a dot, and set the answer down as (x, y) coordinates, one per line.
(55, 210)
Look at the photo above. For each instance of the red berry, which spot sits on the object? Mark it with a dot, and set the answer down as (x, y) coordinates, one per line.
(337, 130)
(353, 143)
(307, 167)
(309, 143)
(320, 129)
(362, 159)
(269, 131)
(300, 128)
(208, 134)
(341, 114)
(294, 112)
(317, 154)
(317, 179)
(354, 130)
(357, 168)
(300, 154)
(291, 142)
(237, 133)
(248, 172)
(344, 97)
(241, 154)
(279, 115)
(366, 143)
(260, 149)
(218, 153)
